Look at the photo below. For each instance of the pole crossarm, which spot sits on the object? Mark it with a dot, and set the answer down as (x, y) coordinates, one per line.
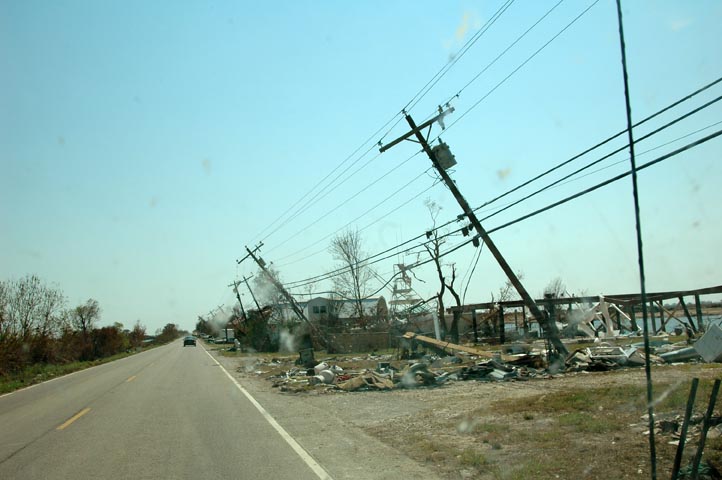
(249, 253)
(417, 130)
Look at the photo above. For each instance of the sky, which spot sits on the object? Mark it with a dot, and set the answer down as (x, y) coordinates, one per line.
(143, 145)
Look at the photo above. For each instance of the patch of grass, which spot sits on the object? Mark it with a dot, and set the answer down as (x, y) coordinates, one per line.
(41, 372)
(673, 397)
(530, 468)
(579, 400)
(469, 457)
(584, 422)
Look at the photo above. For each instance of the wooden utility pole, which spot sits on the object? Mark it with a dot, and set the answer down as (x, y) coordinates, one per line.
(248, 286)
(549, 326)
(289, 298)
(238, 296)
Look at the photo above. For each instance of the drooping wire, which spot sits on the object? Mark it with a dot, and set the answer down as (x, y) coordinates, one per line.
(374, 207)
(395, 209)
(359, 192)
(598, 145)
(300, 283)
(468, 282)
(320, 182)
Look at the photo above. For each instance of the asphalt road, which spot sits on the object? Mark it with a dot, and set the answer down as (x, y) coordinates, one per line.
(171, 412)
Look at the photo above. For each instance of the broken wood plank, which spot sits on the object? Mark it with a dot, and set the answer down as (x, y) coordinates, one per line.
(452, 346)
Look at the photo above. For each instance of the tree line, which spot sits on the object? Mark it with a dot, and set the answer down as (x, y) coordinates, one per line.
(37, 327)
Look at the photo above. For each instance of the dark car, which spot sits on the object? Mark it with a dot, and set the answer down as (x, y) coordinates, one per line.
(189, 341)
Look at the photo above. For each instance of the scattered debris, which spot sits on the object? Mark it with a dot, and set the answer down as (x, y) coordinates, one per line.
(367, 380)
(514, 362)
(709, 347)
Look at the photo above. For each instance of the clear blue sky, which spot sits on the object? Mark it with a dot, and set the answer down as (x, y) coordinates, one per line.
(143, 144)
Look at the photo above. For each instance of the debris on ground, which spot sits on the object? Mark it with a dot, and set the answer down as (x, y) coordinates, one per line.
(433, 367)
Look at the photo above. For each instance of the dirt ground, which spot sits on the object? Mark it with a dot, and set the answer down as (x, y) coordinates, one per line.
(564, 426)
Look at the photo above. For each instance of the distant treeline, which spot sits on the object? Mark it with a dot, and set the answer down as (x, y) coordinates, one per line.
(37, 327)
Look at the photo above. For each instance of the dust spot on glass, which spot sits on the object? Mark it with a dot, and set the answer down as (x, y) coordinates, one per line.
(61, 140)
(696, 224)
(153, 202)
(206, 163)
(503, 173)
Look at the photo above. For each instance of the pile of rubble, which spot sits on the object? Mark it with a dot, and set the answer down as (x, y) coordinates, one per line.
(429, 371)
(515, 363)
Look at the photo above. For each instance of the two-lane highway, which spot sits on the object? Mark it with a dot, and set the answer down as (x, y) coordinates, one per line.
(171, 412)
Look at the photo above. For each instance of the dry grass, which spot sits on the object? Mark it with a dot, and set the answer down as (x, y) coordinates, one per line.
(585, 426)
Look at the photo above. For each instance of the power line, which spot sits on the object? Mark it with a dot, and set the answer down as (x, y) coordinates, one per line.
(396, 208)
(536, 212)
(320, 182)
(362, 215)
(445, 69)
(416, 98)
(374, 182)
(620, 149)
(650, 117)
(611, 180)
(511, 45)
(476, 104)
(604, 142)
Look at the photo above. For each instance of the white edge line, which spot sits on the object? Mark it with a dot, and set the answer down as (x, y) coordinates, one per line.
(305, 456)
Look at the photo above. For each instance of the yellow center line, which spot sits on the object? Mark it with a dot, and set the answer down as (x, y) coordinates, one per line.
(73, 418)
(130, 379)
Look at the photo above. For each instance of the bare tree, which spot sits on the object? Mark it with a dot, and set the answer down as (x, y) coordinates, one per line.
(137, 334)
(83, 317)
(50, 312)
(556, 288)
(25, 299)
(353, 281)
(433, 247)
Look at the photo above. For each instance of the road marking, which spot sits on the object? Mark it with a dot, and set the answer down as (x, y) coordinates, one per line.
(73, 418)
(305, 456)
(130, 379)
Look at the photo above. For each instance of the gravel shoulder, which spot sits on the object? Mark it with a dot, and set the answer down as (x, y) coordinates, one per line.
(332, 428)
(456, 431)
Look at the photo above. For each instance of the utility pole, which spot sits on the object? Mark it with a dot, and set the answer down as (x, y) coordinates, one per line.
(296, 308)
(248, 285)
(238, 296)
(549, 326)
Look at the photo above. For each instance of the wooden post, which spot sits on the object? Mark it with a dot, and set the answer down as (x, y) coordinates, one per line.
(502, 333)
(662, 320)
(687, 314)
(454, 331)
(651, 317)
(633, 317)
(474, 326)
(698, 308)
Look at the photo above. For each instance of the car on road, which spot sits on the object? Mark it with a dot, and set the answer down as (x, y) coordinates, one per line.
(189, 341)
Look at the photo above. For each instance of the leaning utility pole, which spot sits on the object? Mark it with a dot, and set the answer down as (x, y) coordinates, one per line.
(238, 296)
(248, 285)
(296, 308)
(443, 150)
